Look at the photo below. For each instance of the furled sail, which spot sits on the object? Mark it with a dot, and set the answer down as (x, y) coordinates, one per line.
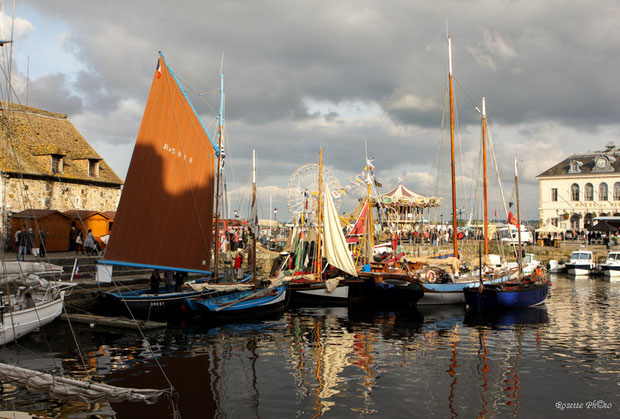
(165, 214)
(360, 225)
(68, 388)
(334, 243)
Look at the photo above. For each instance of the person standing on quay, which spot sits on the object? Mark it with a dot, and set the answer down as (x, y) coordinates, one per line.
(42, 239)
(22, 243)
(30, 244)
(72, 237)
(89, 243)
(79, 242)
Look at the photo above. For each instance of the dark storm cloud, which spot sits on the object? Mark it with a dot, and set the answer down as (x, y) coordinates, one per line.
(53, 92)
(278, 52)
(540, 65)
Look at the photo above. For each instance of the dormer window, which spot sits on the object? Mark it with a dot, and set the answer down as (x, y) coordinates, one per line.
(93, 168)
(57, 164)
(575, 166)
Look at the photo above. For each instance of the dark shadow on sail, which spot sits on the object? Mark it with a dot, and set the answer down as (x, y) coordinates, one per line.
(155, 226)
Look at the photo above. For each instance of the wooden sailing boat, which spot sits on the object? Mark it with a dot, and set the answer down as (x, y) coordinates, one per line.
(165, 216)
(21, 316)
(527, 291)
(392, 282)
(323, 285)
(244, 301)
(449, 290)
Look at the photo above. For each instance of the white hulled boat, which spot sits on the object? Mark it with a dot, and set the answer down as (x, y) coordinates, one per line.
(581, 263)
(611, 267)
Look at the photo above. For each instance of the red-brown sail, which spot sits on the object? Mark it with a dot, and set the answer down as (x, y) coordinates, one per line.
(165, 215)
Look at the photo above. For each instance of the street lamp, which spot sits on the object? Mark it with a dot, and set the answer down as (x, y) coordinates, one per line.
(441, 217)
(275, 213)
(459, 213)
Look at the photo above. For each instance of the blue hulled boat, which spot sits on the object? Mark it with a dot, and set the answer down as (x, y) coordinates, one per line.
(144, 303)
(239, 303)
(529, 292)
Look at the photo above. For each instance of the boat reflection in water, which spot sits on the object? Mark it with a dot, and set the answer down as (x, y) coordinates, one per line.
(343, 362)
(517, 316)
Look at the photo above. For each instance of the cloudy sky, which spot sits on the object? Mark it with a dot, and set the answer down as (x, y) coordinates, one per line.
(338, 74)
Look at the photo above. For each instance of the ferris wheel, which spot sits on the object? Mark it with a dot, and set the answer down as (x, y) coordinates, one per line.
(303, 191)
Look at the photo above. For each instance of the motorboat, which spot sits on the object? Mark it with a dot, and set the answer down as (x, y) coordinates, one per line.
(555, 267)
(611, 267)
(581, 263)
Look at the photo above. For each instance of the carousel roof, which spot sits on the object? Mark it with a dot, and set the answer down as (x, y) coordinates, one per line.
(403, 195)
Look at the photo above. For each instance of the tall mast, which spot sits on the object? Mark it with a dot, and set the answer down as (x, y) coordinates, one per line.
(319, 268)
(220, 117)
(520, 255)
(454, 219)
(370, 242)
(484, 175)
(253, 212)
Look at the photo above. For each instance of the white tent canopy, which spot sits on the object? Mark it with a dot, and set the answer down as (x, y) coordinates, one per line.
(549, 228)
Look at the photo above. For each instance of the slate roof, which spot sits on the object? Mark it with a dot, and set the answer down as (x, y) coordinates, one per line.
(36, 134)
(588, 163)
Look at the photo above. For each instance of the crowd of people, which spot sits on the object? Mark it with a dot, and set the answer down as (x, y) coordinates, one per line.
(25, 242)
(233, 239)
(173, 281)
(434, 235)
(79, 243)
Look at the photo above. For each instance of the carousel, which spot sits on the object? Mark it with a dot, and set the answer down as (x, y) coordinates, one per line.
(405, 208)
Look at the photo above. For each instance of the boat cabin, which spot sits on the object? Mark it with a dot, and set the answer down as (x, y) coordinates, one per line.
(613, 256)
(581, 255)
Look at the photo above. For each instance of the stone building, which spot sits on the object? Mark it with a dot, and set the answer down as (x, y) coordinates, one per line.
(581, 187)
(47, 164)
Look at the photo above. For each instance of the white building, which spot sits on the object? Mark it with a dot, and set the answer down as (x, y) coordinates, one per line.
(581, 187)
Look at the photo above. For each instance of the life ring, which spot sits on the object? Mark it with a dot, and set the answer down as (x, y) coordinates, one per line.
(431, 276)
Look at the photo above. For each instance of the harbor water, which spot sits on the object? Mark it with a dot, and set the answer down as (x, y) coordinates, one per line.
(561, 359)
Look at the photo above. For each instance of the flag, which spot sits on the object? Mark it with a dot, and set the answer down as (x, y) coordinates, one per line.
(495, 214)
(512, 219)
(158, 68)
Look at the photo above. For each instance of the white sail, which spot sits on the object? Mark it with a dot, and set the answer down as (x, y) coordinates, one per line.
(68, 388)
(334, 244)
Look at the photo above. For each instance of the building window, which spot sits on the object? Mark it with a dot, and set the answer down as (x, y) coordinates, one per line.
(93, 168)
(554, 194)
(602, 192)
(617, 191)
(588, 192)
(574, 192)
(56, 163)
(575, 166)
